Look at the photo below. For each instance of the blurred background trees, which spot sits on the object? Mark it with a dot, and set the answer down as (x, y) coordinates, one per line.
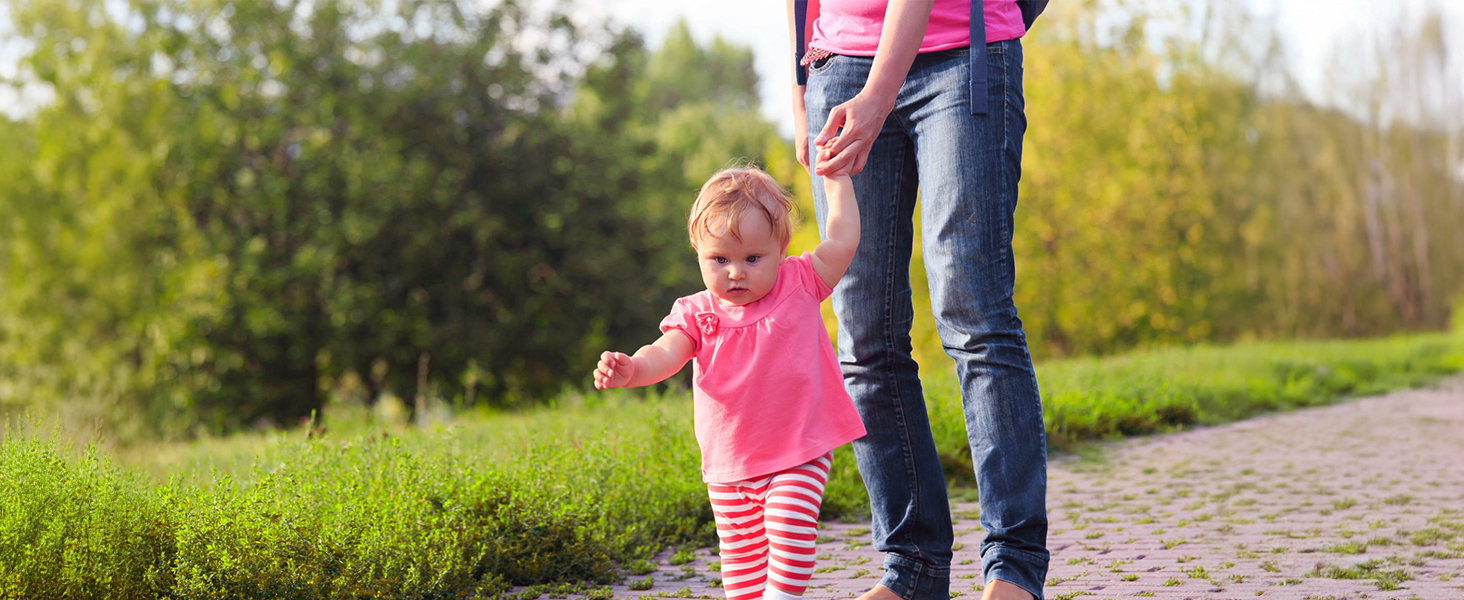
(233, 210)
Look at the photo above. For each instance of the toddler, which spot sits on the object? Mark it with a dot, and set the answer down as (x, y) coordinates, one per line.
(769, 403)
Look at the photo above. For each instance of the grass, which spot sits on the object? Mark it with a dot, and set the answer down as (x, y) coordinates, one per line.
(1386, 580)
(584, 490)
(458, 512)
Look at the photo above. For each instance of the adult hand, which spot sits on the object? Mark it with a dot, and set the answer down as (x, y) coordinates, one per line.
(860, 119)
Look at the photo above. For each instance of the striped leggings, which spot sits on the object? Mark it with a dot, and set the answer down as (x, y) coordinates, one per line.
(767, 527)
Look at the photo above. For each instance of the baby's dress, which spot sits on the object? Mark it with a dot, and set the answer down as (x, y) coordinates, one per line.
(767, 391)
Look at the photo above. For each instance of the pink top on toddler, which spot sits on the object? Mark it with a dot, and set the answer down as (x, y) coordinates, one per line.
(852, 27)
(767, 392)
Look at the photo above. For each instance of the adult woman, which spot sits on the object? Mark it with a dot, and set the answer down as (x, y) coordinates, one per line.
(895, 81)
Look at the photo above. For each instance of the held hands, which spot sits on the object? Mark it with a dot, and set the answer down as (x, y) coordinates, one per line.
(825, 154)
(614, 370)
(849, 134)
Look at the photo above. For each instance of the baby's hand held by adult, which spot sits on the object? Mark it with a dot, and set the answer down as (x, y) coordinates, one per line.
(614, 370)
(822, 167)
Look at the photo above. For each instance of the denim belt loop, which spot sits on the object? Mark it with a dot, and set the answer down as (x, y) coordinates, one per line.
(978, 58)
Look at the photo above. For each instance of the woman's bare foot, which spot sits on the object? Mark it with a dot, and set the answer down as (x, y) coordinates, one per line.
(1001, 590)
(879, 592)
(997, 590)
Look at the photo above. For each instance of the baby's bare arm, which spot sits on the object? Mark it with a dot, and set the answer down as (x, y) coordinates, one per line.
(832, 257)
(662, 359)
(653, 363)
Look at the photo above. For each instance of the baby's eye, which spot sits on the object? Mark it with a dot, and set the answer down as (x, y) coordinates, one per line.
(754, 258)
(720, 260)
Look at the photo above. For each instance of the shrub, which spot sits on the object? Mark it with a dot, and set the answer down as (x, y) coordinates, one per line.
(76, 528)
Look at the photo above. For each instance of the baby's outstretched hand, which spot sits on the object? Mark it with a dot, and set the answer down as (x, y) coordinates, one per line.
(615, 370)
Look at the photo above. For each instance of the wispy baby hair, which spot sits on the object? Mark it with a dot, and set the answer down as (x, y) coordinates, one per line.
(730, 194)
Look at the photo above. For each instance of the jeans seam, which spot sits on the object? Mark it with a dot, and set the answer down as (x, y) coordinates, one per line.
(911, 471)
(1006, 148)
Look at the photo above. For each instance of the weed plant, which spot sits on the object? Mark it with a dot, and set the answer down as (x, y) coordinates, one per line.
(78, 527)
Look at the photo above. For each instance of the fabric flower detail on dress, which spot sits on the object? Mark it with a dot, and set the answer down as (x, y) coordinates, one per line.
(707, 322)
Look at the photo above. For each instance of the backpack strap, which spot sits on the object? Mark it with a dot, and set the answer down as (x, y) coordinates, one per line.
(1030, 10)
(978, 58)
(800, 45)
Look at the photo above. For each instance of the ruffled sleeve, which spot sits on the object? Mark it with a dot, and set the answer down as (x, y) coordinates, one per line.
(808, 278)
(683, 318)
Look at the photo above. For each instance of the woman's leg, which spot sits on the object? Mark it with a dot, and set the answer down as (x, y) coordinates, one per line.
(790, 517)
(897, 458)
(969, 167)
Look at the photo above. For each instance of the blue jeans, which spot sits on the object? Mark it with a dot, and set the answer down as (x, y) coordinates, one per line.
(965, 168)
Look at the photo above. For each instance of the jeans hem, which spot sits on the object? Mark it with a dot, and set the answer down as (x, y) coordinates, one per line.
(1026, 570)
(914, 579)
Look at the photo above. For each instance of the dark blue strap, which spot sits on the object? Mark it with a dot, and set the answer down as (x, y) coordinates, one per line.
(978, 58)
(800, 46)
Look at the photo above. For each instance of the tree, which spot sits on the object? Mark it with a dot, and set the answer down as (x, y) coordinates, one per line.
(260, 200)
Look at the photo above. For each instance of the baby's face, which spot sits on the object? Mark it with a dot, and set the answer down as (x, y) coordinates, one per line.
(740, 272)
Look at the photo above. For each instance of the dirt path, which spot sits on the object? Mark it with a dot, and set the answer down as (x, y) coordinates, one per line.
(1363, 499)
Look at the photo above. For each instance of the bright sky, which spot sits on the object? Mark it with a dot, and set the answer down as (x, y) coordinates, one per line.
(1313, 27)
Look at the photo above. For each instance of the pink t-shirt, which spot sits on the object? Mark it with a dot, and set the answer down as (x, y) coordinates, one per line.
(852, 27)
(767, 392)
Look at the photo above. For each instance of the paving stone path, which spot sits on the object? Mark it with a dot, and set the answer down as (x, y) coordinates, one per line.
(1362, 499)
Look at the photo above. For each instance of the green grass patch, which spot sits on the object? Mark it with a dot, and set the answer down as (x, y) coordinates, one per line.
(466, 510)
(1352, 547)
(1169, 389)
(1385, 579)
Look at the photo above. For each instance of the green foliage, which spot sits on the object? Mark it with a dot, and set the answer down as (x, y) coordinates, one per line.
(469, 510)
(1168, 389)
(77, 527)
(215, 225)
(436, 516)
(1171, 194)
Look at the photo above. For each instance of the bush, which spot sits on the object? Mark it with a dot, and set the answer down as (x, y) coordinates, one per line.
(77, 528)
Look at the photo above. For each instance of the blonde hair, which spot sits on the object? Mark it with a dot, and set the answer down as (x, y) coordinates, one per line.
(730, 194)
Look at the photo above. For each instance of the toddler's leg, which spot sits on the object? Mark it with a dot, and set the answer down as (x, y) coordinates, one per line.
(793, 500)
(738, 510)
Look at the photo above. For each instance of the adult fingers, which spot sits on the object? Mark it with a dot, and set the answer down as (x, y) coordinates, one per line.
(859, 162)
(842, 161)
(850, 136)
(831, 126)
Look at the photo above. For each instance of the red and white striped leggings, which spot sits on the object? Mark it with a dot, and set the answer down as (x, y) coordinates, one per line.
(767, 527)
